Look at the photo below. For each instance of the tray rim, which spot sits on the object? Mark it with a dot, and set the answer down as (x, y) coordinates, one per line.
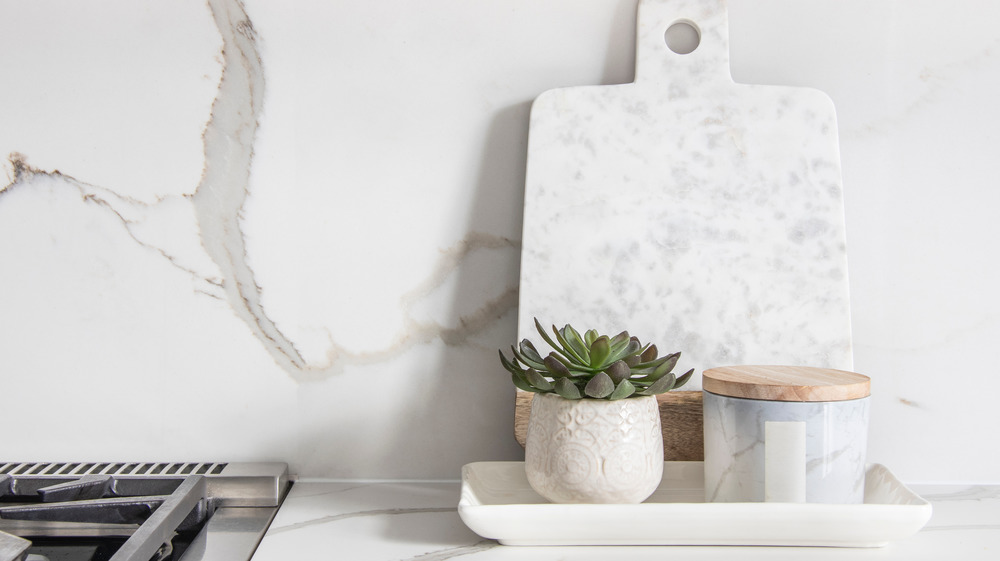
(877, 523)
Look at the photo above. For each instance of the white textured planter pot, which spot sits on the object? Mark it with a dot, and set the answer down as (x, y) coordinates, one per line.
(593, 450)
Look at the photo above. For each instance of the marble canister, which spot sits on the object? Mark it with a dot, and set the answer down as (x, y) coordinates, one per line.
(785, 434)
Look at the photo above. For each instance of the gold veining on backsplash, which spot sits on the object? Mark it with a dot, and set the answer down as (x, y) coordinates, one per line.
(19, 163)
(228, 151)
(223, 190)
(415, 332)
(110, 201)
(218, 201)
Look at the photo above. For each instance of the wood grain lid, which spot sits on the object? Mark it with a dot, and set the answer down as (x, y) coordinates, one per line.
(786, 383)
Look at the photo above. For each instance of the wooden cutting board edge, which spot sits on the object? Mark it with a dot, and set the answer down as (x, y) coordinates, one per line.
(680, 418)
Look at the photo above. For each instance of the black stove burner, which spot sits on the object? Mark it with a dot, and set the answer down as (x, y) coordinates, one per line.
(56, 549)
(104, 518)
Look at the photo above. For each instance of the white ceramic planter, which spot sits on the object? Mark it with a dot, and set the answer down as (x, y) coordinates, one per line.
(805, 443)
(593, 450)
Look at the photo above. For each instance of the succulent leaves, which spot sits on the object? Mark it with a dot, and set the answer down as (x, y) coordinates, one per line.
(600, 386)
(624, 389)
(592, 365)
(618, 371)
(567, 389)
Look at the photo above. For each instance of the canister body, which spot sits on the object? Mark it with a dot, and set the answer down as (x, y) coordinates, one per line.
(784, 451)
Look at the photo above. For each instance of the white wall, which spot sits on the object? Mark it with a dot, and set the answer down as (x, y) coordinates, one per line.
(338, 302)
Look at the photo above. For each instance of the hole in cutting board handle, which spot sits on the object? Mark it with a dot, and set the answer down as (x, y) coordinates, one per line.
(682, 36)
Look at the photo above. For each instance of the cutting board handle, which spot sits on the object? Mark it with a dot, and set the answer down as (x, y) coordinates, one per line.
(656, 64)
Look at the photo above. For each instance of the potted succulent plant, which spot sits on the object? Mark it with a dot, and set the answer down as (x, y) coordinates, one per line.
(594, 431)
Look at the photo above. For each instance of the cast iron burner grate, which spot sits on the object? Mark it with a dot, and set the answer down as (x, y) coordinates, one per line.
(136, 511)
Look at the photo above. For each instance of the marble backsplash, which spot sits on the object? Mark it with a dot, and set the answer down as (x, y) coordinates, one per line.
(291, 231)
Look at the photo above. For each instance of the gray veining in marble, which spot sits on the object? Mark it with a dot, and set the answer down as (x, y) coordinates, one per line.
(454, 552)
(347, 515)
(972, 493)
(700, 214)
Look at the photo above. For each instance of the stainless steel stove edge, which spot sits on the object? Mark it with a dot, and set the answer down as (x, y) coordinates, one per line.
(246, 496)
(242, 484)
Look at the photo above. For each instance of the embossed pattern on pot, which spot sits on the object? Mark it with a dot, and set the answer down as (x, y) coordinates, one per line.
(594, 451)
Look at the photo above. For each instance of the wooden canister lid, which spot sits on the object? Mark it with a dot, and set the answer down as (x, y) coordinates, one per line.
(786, 383)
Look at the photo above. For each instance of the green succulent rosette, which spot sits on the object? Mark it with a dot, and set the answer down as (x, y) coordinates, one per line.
(592, 366)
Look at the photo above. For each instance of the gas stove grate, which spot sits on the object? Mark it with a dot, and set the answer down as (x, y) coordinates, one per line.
(192, 511)
(78, 469)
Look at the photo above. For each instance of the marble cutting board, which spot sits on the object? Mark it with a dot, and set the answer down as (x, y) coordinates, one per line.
(700, 214)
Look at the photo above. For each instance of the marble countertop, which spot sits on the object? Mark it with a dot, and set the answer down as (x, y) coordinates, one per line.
(419, 521)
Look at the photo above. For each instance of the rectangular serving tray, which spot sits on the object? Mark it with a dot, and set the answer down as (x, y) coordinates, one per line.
(497, 503)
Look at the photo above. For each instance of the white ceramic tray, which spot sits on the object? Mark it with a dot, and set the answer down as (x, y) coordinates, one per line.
(498, 503)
